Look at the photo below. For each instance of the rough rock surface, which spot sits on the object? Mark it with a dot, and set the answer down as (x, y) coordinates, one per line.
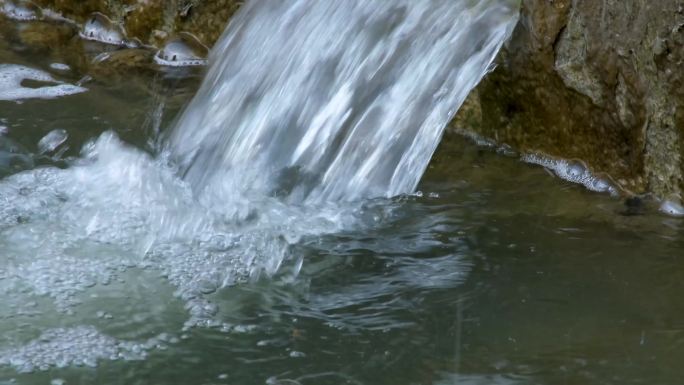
(600, 81)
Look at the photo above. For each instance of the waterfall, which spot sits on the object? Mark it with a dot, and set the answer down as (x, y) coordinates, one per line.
(316, 101)
(308, 108)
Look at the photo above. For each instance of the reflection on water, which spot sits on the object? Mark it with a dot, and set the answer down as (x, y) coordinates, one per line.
(497, 273)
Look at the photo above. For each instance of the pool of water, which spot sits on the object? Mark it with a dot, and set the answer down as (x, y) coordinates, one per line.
(497, 272)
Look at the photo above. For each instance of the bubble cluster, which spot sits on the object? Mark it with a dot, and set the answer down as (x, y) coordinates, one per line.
(77, 346)
(572, 171)
(11, 88)
(68, 233)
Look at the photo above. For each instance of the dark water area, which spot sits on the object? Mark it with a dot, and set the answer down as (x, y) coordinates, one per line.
(495, 273)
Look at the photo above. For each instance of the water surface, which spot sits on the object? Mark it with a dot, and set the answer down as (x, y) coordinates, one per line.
(495, 273)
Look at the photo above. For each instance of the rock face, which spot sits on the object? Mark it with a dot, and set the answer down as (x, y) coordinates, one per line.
(599, 81)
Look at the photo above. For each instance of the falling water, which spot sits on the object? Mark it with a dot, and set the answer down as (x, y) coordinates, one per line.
(335, 100)
(308, 107)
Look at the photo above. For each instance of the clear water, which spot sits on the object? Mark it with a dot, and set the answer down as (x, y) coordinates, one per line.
(497, 273)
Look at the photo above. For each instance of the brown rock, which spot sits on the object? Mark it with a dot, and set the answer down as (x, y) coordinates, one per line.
(594, 80)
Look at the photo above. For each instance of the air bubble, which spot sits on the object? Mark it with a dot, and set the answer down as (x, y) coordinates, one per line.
(185, 50)
(572, 171)
(672, 207)
(21, 10)
(63, 347)
(101, 28)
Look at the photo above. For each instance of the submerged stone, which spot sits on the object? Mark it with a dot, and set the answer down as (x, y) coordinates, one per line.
(184, 50)
(101, 28)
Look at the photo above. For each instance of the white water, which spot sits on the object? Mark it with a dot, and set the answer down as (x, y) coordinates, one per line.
(344, 100)
(309, 107)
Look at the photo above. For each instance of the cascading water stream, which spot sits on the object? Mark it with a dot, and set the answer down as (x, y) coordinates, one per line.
(335, 100)
(308, 108)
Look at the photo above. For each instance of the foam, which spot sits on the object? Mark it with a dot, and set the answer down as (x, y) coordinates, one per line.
(11, 89)
(572, 171)
(77, 346)
(67, 233)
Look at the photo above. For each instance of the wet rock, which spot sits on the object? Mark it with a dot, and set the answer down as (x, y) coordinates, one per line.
(45, 35)
(599, 81)
(112, 66)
